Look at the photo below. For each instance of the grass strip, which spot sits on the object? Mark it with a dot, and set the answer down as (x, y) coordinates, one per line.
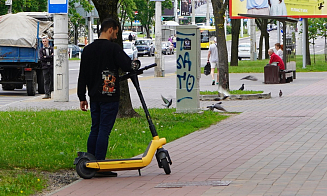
(233, 92)
(49, 140)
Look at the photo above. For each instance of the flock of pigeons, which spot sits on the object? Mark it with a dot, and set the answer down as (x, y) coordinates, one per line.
(225, 93)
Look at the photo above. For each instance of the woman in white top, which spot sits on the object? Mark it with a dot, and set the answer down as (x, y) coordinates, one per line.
(279, 49)
(277, 8)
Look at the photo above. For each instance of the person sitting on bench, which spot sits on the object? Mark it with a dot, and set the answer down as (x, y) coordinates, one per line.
(275, 58)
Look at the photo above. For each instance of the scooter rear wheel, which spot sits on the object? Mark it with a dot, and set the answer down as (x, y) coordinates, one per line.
(165, 165)
(83, 171)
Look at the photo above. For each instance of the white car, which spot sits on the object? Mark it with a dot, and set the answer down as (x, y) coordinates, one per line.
(125, 35)
(130, 49)
(244, 51)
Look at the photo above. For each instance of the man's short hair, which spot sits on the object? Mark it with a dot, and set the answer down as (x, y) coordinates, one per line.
(108, 23)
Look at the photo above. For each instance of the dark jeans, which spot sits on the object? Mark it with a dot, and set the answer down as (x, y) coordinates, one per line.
(103, 119)
(48, 80)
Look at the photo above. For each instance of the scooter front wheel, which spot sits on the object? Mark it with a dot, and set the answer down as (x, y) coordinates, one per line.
(165, 166)
(83, 171)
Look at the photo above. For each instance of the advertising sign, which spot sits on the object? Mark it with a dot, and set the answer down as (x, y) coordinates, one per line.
(200, 8)
(58, 6)
(289, 8)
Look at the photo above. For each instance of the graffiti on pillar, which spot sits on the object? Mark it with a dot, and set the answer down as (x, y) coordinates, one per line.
(185, 78)
(62, 55)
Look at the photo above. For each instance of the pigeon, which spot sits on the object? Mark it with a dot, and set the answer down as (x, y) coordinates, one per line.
(280, 93)
(167, 102)
(242, 87)
(249, 77)
(216, 106)
(223, 91)
(219, 98)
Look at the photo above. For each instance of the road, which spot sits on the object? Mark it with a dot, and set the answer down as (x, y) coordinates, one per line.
(7, 97)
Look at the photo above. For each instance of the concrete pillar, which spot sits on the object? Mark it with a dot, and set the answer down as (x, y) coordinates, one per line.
(61, 71)
(158, 52)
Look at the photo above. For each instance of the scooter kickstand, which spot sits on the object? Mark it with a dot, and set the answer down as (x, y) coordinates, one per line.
(139, 172)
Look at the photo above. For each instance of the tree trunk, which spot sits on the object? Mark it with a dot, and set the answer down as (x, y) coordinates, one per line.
(305, 28)
(236, 24)
(260, 46)
(108, 9)
(219, 9)
(76, 34)
(266, 45)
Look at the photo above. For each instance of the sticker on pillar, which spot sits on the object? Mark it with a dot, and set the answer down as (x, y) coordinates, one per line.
(109, 81)
(187, 44)
(59, 81)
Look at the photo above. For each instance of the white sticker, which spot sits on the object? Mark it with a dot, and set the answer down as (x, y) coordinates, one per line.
(58, 1)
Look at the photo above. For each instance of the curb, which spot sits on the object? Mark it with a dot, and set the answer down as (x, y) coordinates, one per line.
(237, 97)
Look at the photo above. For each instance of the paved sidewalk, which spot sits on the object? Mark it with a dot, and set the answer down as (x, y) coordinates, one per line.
(274, 147)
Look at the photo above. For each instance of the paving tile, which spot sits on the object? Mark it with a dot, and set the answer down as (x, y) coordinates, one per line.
(273, 147)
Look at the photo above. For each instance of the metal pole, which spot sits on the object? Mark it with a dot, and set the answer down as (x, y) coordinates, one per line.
(252, 40)
(89, 24)
(284, 44)
(175, 10)
(278, 32)
(193, 13)
(158, 51)
(304, 42)
(61, 71)
(242, 27)
(207, 14)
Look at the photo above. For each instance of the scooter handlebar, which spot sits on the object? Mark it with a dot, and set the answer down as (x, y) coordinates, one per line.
(137, 72)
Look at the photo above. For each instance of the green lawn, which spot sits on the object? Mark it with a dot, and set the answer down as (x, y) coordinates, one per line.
(48, 140)
(247, 66)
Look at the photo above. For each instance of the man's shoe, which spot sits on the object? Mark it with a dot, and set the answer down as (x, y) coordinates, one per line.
(213, 82)
(106, 174)
(46, 97)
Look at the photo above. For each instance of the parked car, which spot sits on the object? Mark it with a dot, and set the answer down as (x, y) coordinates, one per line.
(75, 50)
(144, 46)
(244, 50)
(167, 48)
(130, 49)
(125, 35)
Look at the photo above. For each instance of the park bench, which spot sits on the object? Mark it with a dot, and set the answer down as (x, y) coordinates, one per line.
(273, 75)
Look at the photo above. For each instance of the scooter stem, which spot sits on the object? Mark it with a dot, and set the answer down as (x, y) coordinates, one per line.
(135, 81)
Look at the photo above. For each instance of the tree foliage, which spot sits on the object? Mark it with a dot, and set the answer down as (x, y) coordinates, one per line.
(146, 12)
(24, 6)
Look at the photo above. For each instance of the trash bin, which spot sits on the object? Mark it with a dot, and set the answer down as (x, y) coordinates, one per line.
(271, 74)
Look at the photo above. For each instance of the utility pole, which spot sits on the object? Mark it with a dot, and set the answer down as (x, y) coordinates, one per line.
(89, 24)
(208, 14)
(158, 72)
(241, 33)
(60, 57)
(253, 55)
(61, 71)
(193, 12)
(175, 10)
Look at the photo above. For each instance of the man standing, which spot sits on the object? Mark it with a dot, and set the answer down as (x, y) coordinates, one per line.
(130, 37)
(213, 59)
(275, 58)
(99, 75)
(46, 58)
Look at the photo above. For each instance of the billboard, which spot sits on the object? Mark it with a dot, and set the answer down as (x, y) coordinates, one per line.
(200, 9)
(289, 8)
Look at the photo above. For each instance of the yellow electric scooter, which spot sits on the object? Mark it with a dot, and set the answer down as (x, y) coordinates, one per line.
(86, 163)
